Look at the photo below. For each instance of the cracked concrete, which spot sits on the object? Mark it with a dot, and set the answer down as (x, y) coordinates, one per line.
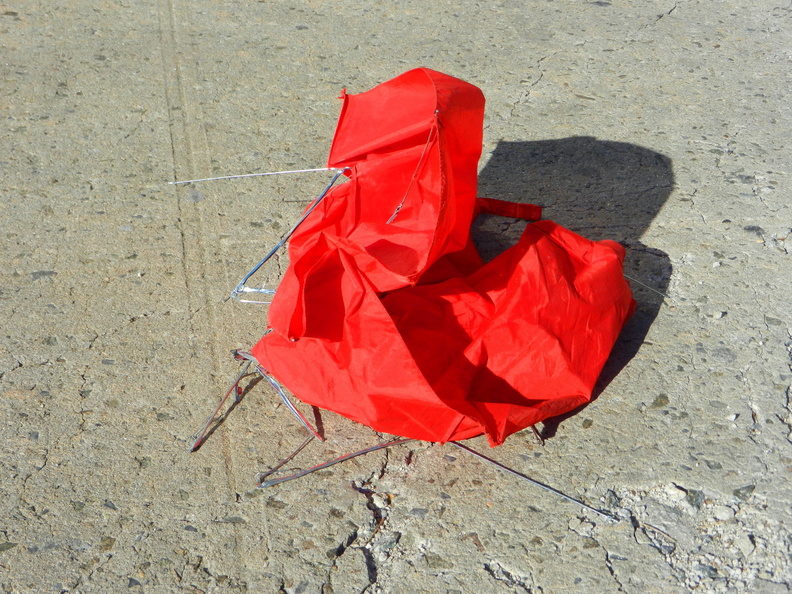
(662, 125)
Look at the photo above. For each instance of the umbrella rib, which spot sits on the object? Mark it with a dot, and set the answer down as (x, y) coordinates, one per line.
(329, 463)
(205, 429)
(261, 476)
(274, 383)
(524, 477)
(645, 286)
(238, 176)
(241, 288)
(250, 360)
(414, 176)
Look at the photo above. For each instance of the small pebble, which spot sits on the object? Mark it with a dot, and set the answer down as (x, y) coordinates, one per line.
(746, 544)
(674, 493)
(641, 538)
(379, 500)
(723, 513)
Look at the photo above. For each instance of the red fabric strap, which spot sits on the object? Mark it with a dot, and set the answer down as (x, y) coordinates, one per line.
(503, 208)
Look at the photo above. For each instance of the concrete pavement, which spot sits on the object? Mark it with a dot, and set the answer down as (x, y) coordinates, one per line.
(661, 124)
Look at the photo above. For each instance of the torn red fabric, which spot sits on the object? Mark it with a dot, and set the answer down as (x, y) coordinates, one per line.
(386, 313)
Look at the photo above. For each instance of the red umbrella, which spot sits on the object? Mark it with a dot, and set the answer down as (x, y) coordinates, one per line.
(387, 314)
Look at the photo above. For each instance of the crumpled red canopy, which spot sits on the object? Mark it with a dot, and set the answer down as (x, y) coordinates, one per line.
(387, 314)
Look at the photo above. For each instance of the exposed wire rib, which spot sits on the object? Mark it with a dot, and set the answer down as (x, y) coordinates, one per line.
(262, 475)
(414, 176)
(204, 179)
(645, 286)
(241, 288)
(274, 383)
(302, 473)
(234, 388)
(534, 482)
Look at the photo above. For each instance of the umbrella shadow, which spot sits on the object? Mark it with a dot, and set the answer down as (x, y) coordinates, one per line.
(600, 189)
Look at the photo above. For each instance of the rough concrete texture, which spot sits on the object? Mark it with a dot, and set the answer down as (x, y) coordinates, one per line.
(662, 124)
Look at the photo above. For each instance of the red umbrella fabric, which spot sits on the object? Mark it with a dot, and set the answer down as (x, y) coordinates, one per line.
(386, 313)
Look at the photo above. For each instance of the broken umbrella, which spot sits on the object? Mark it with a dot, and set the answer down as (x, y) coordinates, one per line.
(387, 314)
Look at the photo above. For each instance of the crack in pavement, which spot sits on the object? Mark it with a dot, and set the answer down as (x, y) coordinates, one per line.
(500, 574)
